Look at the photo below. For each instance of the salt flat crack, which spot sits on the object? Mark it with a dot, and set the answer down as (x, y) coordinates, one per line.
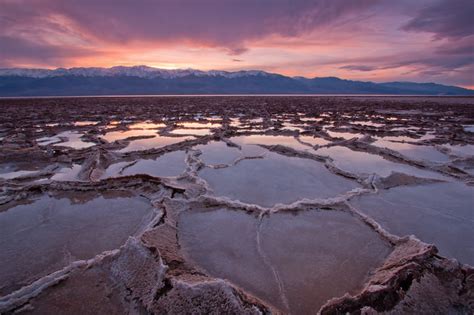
(413, 266)
(267, 262)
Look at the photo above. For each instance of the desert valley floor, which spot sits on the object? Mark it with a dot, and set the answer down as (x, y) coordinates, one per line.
(237, 205)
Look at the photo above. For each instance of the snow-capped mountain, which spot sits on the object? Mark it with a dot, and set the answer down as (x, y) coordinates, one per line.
(135, 71)
(141, 80)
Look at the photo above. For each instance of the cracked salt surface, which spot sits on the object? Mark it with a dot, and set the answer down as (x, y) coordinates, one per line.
(293, 127)
(85, 123)
(344, 135)
(48, 233)
(218, 152)
(13, 170)
(366, 163)
(311, 224)
(469, 128)
(415, 152)
(367, 123)
(295, 261)
(72, 140)
(191, 131)
(67, 173)
(197, 125)
(121, 135)
(466, 150)
(168, 164)
(276, 179)
(270, 140)
(93, 285)
(436, 213)
(152, 143)
(313, 140)
(16, 174)
(146, 125)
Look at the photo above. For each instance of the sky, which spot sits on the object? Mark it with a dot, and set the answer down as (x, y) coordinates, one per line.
(372, 40)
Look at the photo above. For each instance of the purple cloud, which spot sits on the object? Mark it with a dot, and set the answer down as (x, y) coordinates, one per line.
(59, 32)
(17, 49)
(359, 68)
(226, 23)
(445, 19)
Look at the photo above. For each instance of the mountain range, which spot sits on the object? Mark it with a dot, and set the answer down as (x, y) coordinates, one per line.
(143, 80)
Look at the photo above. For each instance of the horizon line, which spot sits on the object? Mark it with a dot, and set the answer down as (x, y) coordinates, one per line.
(233, 95)
(233, 71)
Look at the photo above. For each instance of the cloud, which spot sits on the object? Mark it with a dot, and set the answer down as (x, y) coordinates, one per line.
(464, 46)
(77, 27)
(16, 50)
(227, 23)
(428, 64)
(235, 51)
(356, 38)
(445, 19)
(359, 68)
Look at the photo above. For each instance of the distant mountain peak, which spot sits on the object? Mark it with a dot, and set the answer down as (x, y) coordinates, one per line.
(140, 71)
(143, 79)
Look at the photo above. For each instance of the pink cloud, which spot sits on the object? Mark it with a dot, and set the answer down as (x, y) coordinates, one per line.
(355, 38)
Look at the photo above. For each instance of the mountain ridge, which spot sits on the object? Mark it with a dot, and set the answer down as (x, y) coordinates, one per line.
(122, 80)
(135, 71)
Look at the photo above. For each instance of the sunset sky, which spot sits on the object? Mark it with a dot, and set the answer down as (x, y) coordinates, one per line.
(409, 40)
